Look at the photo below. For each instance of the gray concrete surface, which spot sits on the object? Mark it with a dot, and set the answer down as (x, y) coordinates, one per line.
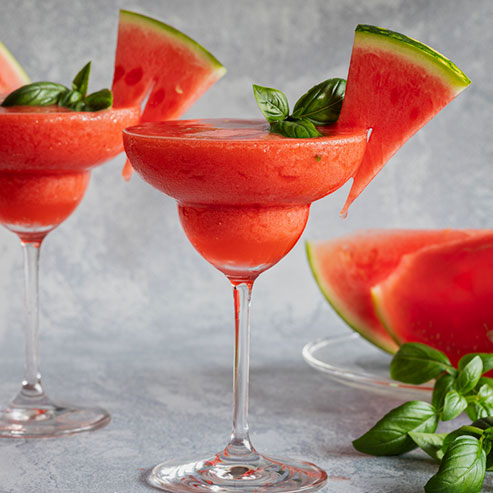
(133, 319)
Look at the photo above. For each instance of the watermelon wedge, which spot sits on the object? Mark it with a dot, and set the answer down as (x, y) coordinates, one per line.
(12, 75)
(442, 296)
(395, 86)
(347, 268)
(158, 61)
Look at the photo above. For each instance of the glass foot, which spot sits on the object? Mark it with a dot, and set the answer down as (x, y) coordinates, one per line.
(221, 474)
(49, 420)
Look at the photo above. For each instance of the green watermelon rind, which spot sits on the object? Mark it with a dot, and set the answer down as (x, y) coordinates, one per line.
(419, 52)
(7, 56)
(127, 16)
(332, 299)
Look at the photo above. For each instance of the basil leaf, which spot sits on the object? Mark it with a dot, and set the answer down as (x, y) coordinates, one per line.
(481, 405)
(443, 384)
(418, 363)
(272, 103)
(453, 405)
(70, 99)
(99, 100)
(431, 443)
(483, 423)
(462, 469)
(299, 129)
(485, 381)
(390, 435)
(486, 358)
(487, 448)
(469, 375)
(472, 431)
(489, 462)
(474, 412)
(322, 103)
(35, 94)
(81, 80)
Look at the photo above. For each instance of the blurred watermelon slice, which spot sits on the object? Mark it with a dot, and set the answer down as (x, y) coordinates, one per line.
(395, 86)
(12, 75)
(347, 268)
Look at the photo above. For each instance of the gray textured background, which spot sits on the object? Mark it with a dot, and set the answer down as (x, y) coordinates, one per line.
(133, 319)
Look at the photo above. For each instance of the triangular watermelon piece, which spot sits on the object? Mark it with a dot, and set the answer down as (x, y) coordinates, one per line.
(12, 75)
(158, 61)
(395, 86)
(347, 268)
(442, 296)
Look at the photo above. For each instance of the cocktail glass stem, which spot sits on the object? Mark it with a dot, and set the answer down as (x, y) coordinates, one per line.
(31, 413)
(240, 444)
(31, 385)
(31, 400)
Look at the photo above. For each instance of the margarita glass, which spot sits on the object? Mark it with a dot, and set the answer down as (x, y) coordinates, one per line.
(243, 197)
(46, 156)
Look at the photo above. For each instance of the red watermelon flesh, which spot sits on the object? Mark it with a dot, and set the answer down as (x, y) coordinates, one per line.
(395, 86)
(346, 269)
(442, 296)
(158, 61)
(12, 75)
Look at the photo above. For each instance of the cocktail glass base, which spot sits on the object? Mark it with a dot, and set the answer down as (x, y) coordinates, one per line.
(223, 474)
(46, 419)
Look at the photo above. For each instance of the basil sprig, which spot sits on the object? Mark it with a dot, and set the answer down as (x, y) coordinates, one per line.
(49, 93)
(465, 454)
(321, 105)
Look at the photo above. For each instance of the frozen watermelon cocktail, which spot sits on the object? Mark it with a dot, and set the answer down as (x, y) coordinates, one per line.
(50, 139)
(244, 190)
(243, 197)
(46, 155)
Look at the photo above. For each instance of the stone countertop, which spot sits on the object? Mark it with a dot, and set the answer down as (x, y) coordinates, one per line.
(170, 398)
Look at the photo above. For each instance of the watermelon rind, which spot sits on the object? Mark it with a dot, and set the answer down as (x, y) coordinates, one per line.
(149, 22)
(6, 57)
(332, 298)
(381, 97)
(416, 50)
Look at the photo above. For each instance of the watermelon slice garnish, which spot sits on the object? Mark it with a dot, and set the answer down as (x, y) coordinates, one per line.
(442, 296)
(159, 62)
(347, 268)
(12, 75)
(395, 86)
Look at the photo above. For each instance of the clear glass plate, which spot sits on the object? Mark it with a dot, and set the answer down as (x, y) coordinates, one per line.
(353, 361)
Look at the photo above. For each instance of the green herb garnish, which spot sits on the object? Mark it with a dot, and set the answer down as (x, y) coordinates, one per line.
(321, 105)
(48, 93)
(465, 454)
